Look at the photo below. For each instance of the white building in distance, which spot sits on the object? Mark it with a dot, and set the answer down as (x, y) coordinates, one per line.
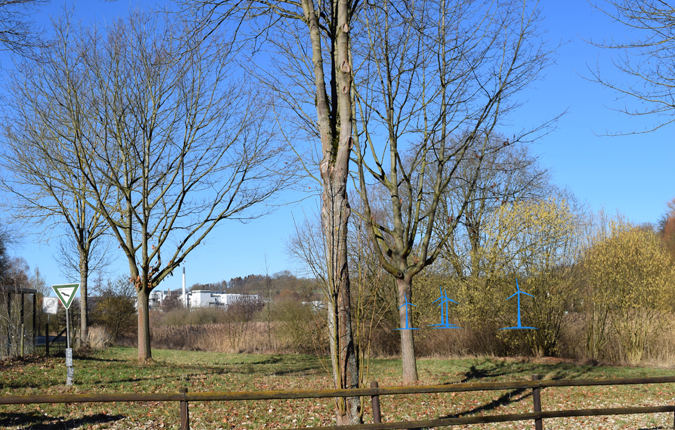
(203, 298)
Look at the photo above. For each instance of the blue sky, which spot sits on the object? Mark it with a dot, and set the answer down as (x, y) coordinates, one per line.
(630, 174)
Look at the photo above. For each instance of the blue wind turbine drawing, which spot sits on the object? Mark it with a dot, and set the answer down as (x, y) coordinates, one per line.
(407, 326)
(519, 326)
(445, 310)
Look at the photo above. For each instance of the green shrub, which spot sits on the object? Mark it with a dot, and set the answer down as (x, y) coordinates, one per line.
(303, 326)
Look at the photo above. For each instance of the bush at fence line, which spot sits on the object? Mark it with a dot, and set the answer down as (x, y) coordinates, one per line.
(629, 286)
(98, 337)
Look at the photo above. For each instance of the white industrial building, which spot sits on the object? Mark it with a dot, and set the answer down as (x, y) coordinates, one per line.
(202, 298)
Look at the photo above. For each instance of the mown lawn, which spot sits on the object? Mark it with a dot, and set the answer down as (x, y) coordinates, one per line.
(115, 370)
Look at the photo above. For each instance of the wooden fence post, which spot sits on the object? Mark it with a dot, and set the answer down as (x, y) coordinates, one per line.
(536, 397)
(375, 401)
(184, 413)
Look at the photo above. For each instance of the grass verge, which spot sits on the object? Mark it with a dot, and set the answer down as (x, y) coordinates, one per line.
(116, 370)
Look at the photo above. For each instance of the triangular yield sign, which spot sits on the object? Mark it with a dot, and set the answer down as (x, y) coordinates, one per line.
(66, 293)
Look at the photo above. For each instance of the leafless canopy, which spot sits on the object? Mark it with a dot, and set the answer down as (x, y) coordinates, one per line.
(16, 31)
(434, 85)
(644, 58)
(154, 130)
(433, 82)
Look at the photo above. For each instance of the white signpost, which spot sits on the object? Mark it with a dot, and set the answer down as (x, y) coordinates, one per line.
(66, 294)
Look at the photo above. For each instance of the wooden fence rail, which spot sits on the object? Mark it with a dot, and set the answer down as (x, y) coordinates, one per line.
(183, 397)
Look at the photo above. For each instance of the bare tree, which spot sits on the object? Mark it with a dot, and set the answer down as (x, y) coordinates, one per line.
(315, 36)
(40, 199)
(67, 256)
(16, 29)
(507, 176)
(169, 141)
(371, 291)
(434, 82)
(645, 58)
(47, 188)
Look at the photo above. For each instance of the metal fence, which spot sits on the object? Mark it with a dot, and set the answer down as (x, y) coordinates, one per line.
(538, 416)
(18, 326)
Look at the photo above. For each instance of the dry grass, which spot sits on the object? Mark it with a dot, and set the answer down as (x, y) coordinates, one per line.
(250, 337)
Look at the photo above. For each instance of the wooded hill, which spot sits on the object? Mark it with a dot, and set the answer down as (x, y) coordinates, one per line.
(280, 285)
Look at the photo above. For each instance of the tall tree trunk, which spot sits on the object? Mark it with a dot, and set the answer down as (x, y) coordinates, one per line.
(338, 188)
(84, 314)
(335, 215)
(408, 359)
(335, 128)
(144, 352)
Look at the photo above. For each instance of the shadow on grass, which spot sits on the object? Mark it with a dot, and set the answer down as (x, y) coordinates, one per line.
(90, 358)
(304, 370)
(46, 384)
(503, 400)
(271, 360)
(35, 420)
(493, 369)
(296, 366)
(512, 396)
(10, 363)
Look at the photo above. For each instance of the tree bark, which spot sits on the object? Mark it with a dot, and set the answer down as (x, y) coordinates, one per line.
(409, 362)
(144, 352)
(84, 314)
(335, 216)
(348, 356)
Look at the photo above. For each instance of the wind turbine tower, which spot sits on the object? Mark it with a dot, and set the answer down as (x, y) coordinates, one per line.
(518, 293)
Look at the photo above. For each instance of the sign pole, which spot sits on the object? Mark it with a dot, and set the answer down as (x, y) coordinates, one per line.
(67, 330)
(70, 371)
(66, 294)
(47, 337)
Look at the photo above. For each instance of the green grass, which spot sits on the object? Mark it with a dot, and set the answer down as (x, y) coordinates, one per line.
(116, 370)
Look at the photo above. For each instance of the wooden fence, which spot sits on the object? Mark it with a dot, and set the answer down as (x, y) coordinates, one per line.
(374, 392)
